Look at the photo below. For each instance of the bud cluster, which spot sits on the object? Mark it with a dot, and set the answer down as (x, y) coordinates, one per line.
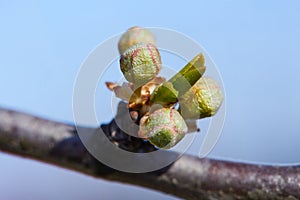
(163, 126)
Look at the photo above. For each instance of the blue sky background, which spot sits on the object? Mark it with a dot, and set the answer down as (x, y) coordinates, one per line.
(255, 45)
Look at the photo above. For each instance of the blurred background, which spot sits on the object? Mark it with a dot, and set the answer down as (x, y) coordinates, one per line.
(255, 45)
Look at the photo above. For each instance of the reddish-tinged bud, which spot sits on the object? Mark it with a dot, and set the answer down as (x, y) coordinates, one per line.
(133, 36)
(164, 128)
(140, 63)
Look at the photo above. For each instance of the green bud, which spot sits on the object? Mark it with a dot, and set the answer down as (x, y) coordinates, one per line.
(164, 128)
(133, 36)
(140, 63)
(202, 100)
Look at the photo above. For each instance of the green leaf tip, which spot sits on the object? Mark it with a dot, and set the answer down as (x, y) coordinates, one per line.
(189, 74)
(180, 83)
(165, 94)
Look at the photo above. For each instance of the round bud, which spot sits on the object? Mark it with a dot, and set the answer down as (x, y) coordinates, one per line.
(133, 36)
(202, 100)
(163, 128)
(140, 63)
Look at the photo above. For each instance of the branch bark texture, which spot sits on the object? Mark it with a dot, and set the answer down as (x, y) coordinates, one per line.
(189, 177)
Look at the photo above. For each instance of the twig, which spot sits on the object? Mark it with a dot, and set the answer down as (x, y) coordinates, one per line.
(189, 177)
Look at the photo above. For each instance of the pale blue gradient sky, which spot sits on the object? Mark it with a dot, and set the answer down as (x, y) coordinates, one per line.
(255, 45)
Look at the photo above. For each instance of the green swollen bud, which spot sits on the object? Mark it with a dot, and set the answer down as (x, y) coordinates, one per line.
(164, 128)
(133, 36)
(140, 63)
(202, 100)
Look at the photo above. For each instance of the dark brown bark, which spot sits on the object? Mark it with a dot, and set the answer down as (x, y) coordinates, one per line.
(189, 177)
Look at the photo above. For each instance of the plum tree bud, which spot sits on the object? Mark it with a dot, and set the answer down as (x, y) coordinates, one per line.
(133, 36)
(202, 100)
(164, 127)
(140, 63)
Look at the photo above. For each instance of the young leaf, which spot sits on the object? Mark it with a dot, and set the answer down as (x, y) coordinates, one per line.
(189, 75)
(180, 83)
(165, 94)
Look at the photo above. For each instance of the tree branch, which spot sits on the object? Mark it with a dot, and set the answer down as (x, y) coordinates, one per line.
(189, 177)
